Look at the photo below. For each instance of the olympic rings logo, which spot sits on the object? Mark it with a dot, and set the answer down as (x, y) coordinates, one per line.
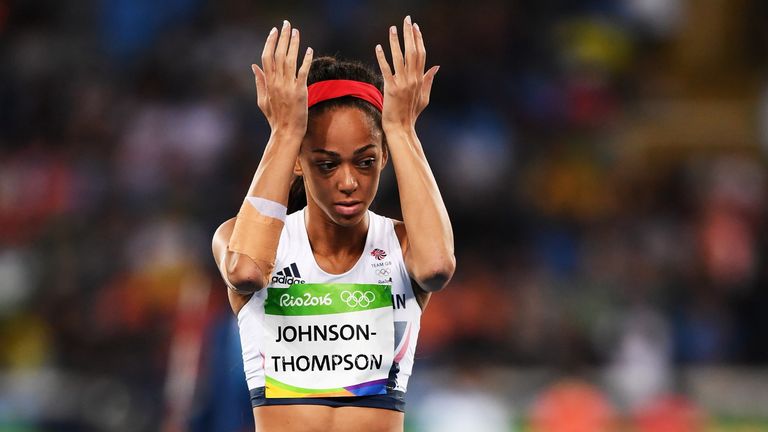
(354, 299)
(383, 272)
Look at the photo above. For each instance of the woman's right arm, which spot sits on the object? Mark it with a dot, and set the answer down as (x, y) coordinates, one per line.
(244, 247)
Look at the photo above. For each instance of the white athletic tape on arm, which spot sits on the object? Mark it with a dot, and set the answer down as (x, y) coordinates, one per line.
(268, 208)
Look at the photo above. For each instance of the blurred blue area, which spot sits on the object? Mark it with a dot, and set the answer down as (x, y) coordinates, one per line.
(130, 27)
(225, 404)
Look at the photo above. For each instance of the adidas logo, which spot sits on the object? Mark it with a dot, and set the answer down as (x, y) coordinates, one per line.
(289, 276)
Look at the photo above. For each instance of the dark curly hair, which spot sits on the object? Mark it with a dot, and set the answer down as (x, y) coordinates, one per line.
(330, 68)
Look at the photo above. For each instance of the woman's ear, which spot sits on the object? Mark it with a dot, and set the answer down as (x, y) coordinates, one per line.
(297, 170)
(384, 154)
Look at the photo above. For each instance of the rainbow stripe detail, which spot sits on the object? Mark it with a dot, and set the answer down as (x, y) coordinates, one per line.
(404, 347)
(277, 389)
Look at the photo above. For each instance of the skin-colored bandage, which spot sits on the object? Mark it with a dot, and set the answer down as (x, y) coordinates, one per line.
(256, 235)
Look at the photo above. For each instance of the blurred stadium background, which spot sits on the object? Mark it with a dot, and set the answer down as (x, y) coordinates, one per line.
(603, 161)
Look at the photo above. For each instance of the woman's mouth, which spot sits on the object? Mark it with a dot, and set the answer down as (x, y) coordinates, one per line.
(348, 208)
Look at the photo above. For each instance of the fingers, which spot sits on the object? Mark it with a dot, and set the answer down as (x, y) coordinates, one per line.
(280, 53)
(410, 45)
(282, 48)
(394, 46)
(415, 57)
(293, 53)
(267, 55)
(421, 51)
(304, 69)
(261, 88)
(386, 72)
(426, 86)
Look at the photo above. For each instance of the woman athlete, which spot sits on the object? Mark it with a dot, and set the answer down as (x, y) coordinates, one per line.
(324, 294)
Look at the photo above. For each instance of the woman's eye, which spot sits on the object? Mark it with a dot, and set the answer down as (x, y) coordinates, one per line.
(326, 166)
(367, 163)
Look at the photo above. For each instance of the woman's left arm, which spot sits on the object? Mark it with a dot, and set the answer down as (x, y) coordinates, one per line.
(429, 253)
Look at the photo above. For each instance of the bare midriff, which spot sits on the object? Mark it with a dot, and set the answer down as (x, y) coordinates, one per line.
(318, 418)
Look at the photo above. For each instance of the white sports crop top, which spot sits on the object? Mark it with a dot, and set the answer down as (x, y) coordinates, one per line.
(381, 263)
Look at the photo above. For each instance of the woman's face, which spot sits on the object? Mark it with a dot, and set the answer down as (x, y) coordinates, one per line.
(341, 159)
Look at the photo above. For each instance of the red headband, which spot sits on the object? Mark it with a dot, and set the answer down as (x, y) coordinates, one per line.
(332, 89)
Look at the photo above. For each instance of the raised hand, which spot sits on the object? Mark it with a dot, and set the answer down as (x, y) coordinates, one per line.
(281, 92)
(406, 92)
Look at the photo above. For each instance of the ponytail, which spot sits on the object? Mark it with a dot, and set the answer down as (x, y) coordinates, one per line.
(297, 198)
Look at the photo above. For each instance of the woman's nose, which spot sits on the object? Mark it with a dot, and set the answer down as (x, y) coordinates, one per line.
(347, 182)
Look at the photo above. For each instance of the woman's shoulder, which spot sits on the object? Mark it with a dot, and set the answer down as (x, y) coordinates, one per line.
(400, 231)
(291, 217)
(399, 228)
(293, 222)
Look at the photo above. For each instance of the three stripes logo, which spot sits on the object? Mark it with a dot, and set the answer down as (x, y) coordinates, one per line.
(289, 275)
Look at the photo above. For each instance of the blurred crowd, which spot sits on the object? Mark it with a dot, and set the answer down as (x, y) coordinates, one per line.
(603, 163)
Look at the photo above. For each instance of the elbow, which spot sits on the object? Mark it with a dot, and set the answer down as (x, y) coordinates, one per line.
(243, 275)
(435, 277)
